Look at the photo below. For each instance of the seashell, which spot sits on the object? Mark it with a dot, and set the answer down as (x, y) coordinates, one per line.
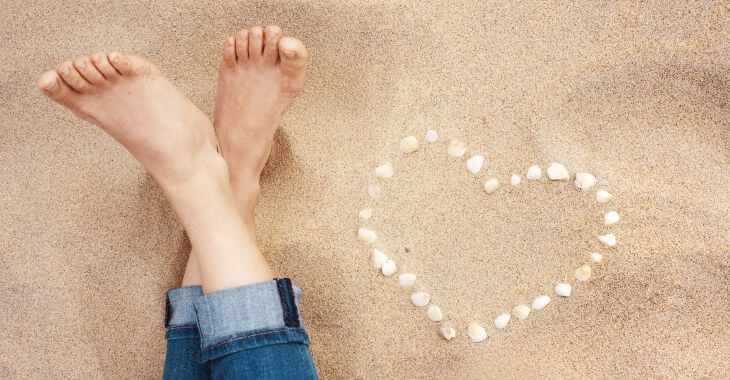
(474, 164)
(409, 144)
(406, 280)
(456, 149)
(533, 173)
(431, 136)
(502, 320)
(366, 213)
(447, 332)
(367, 236)
(384, 171)
(608, 239)
(420, 299)
(583, 273)
(557, 172)
(434, 313)
(584, 181)
(378, 258)
(596, 257)
(521, 311)
(388, 268)
(476, 332)
(515, 179)
(603, 196)
(611, 217)
(540, 302)
(374, 191)
(563, 289)
(491, 185)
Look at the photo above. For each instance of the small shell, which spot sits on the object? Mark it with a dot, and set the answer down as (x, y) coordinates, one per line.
(476, 332)
(596, 257)
(434, 313)
(474, 164)
(533, 173)
(374, 191)
(431, 136)
(608, 239)
(563, 289)
(406, 280)
(384, 171)
(611, 217)
(388, 268)
(583, 273)
(409, 144)
(502, 320)
(420, 299)
(521, 311)
(447, 332)
(366, 213)
(491, 185)
(603, 196)
(367, 236)
(515, 179)
(378, 258)
(456, 149)
(540, 302)
(557, 172)
(584, 181)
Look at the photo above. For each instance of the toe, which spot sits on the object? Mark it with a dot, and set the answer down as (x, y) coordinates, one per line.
(101, 62)
(129, 65)
(293, 55)
(255, 43)
(229, 52)
(89, 71)
(242, 45)
(55, 88)
(272, 35)
(71, 76)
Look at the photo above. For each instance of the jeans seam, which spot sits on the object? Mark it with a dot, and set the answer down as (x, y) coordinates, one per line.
(249, 336)
(183, 327)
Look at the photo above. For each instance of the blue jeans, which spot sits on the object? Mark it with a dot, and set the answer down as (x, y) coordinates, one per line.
(249, 332)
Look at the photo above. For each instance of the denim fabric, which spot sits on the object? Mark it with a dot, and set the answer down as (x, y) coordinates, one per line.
(249, 332)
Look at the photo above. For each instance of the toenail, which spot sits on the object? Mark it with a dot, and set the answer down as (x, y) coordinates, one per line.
(81, 65)
(288, 53)
(65, 70)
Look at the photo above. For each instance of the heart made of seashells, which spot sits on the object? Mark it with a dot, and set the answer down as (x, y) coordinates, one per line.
(582, 181)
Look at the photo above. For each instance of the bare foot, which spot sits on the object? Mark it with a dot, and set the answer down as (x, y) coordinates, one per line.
(261, 73)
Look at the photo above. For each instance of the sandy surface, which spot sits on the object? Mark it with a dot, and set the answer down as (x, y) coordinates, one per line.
(635, 92)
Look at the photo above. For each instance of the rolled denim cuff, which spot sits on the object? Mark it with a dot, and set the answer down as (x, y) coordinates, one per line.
(245, 311)
(180, 309)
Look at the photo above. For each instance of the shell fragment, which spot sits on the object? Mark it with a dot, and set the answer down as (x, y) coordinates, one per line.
(378, 258)
(491, 185)
(431, 136)
(367, 236)
(406, 280)
(374, 191)
(502, 320)
(456, 149)
(447, 332)
(434, 313)
(476, 332)
(583, 273)
(611, 217)
(533, 173)
(563, 289)
(603, 196)
(608, 239)
(384, 171)
(366, 213)
(596, 257)
(515, 179)
(557, 172)
(474, 164)
(409, 144)
(521, 311)
(584, 181)
(420, 299)
(389, 268)
(540, 302)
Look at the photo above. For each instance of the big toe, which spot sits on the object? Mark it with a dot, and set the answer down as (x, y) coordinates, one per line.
(55, 88)
(293, 55)
(129, 64)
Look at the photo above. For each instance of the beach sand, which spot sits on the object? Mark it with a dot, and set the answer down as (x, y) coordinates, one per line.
(636, 92)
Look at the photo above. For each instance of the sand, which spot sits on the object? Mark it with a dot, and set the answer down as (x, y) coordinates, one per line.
(634, 92)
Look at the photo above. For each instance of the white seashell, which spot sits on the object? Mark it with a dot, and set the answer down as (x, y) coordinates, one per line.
(434, 313)
(583, 273)
(533, 173)
(378, 258)
(596, 257)
(557, 172)
(540, 302)
(476, 332)
(515, 179)
(562, 289)
(409, 144)
(384, 171)
(474, 164)
(456, 149)
(367, 236)
(406, 280)
(521, 311)
(491, 185)
(447, 332)
(584, 181)
(374, 191)
(603, 196)
(611, 217)
(420, 299)
(502, 320)
(388, 268)
(366, 213)
(432, 136)
(608, 239)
